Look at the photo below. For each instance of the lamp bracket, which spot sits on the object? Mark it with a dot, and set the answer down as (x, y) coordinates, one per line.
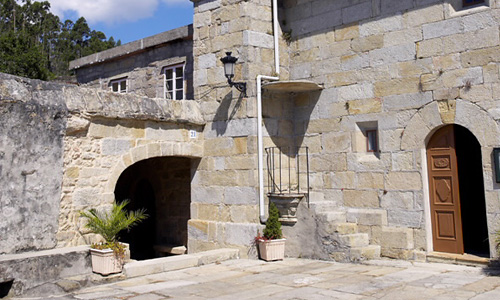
(240, 86)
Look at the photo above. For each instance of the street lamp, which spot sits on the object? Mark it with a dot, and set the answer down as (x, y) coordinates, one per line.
(229, 62)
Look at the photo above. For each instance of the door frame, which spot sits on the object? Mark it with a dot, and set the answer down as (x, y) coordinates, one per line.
(426, 188)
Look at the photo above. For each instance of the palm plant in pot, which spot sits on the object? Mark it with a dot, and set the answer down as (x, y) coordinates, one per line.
(272, 244)
(108, 257)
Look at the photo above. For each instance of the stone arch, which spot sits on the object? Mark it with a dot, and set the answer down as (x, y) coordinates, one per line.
(437, 114)
(147, 151)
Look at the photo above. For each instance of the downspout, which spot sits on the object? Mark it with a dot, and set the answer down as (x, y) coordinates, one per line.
(260, 143)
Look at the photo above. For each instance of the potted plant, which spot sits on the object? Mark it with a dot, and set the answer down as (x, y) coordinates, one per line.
(108, 257)
(271, 244)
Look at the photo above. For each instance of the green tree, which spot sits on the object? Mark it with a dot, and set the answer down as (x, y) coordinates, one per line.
(273, 225)
(35, 43)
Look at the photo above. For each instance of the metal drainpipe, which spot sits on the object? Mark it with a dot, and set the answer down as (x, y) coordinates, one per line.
(260, 142)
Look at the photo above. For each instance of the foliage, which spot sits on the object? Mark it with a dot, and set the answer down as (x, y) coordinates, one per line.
(34, 43)
(118, 248)
(273, 225)
(109, 224)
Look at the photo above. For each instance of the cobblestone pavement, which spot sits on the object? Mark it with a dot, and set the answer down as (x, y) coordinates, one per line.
(305, 279)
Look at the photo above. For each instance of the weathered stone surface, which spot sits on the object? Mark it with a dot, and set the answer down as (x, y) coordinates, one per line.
(30, 174)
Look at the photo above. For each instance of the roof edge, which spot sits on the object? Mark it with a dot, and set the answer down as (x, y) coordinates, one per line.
(133, 47)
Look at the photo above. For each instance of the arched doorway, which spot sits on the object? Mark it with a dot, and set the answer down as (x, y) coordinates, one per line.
(458, 209)
(162, 186)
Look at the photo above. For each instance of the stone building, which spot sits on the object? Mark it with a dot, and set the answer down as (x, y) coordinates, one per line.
(372, 123)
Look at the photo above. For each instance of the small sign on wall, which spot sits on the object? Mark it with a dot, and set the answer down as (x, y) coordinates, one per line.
(192, 134)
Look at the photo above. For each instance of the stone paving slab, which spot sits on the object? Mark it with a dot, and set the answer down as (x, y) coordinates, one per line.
(303, 279)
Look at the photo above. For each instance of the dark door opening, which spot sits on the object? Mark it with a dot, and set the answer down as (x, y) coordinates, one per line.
(472, 199)
(162, 186)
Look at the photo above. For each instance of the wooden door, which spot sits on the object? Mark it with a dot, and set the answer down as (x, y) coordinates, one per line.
(444, 193)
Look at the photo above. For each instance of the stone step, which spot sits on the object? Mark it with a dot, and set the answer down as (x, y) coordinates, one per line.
(346, 228)
(171, 263)
(332, 217)
(366, 252)
(366, 216)
(354, 240)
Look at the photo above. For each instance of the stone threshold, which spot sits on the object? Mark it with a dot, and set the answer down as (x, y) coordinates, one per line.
(148, 267)
(459, 259)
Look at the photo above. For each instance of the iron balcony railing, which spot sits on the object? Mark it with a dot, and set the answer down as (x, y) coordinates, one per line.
(288, 170)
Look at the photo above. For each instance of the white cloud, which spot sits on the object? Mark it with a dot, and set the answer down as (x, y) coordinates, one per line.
(108, 11)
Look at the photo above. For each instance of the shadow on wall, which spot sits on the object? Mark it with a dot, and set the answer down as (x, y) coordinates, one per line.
(286, 117)
(304, 18)
(226, 112)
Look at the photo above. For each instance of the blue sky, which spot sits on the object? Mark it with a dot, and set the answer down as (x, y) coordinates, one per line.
(127, 20)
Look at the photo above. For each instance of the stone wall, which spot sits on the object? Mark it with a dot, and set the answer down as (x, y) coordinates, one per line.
(390, 64)
(33, 117)
(64, 148)
(404, 68)
(141, 62)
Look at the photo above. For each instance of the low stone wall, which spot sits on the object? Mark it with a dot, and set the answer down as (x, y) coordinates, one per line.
(36, 272)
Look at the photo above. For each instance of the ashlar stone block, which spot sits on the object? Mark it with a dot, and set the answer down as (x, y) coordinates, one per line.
(370, 180)
(347, 32)
(367, 217)
(403, 181)
(356, 91)
(393, 237)
(397, 200)
(361, 198)
(364, 106)
(363, 44)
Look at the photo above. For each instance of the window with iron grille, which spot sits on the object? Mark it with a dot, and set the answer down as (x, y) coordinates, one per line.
(174, 82)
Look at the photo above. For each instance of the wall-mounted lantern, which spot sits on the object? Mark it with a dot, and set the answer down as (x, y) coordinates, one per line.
(229, 62)
(496, 159)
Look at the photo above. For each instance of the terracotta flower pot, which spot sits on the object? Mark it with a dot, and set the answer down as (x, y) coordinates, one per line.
(270, 250)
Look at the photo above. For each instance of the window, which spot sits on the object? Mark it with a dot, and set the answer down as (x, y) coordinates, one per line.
(466, 3)
(174, 82)
(371, 140)
(119, 85)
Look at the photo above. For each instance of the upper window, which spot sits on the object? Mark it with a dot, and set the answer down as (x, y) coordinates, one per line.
(174, 82)
(119, 85)
(466, 3)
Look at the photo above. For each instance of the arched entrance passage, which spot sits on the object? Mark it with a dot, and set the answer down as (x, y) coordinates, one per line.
(458, 209)
(161, 185)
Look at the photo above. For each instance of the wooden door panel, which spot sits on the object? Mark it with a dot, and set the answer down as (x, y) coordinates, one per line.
(445, 221)
(444, 193)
